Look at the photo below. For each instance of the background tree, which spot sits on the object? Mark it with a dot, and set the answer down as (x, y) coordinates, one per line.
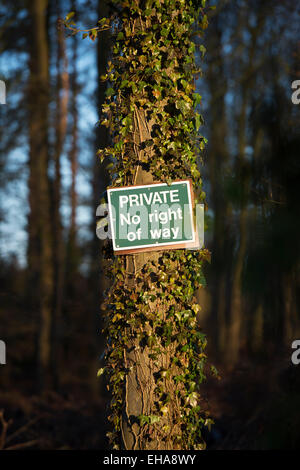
(40, 241)
(251, 60)
(60, 126)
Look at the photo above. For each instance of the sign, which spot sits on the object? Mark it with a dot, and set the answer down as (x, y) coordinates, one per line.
(152, 217)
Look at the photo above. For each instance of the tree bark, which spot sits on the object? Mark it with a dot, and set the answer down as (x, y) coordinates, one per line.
(60, 126)
(140, 381)
(39, 243)
(236, 318)
(217, 165)
(153, 348)
(73, 157)
(100, 181)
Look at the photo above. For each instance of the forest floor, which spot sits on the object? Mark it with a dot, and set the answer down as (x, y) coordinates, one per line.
(251, 408)
(255, 406)
(54, 421)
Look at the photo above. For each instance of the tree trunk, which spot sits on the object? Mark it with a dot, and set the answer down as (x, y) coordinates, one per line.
(60, 126)
(154, 350)
(217, 165)
(100, 180)
(140, 381)
(237, 312)
(39, 243)
(72, 256)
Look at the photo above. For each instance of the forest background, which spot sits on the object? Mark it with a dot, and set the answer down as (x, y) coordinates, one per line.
(50, 258)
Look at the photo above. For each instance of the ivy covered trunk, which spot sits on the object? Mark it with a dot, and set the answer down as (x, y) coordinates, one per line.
(155, 349)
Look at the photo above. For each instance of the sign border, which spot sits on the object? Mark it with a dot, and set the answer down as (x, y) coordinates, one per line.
(194, 243)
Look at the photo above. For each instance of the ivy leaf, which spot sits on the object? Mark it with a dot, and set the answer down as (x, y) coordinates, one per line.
(154, 419)
(197, 99)
(196, 308)
(101, 371)
(93, 34)
(109, 92)
(197, 121)
(70, 15)
(202, 50)
(164, 410)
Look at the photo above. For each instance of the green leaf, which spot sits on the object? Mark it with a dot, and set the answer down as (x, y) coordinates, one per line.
(70, 15)
(154, 419)
(101, 371)
(202, 49)
(197, 99)
(110, 91)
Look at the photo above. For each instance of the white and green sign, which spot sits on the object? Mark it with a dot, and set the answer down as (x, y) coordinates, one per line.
(151, 216)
